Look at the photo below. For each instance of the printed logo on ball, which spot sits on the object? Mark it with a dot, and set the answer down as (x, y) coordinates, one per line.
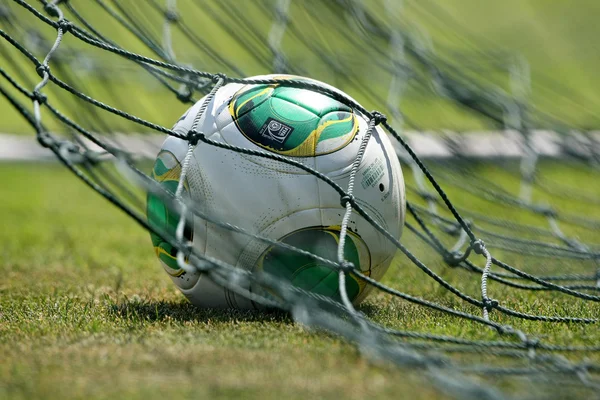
(373, 174)
(276, 130)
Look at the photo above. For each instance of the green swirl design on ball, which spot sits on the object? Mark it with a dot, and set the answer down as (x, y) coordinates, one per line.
(167, 171)
(307, 273)
(292, 121)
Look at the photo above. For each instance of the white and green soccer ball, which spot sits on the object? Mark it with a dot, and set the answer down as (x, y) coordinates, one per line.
(274, 199)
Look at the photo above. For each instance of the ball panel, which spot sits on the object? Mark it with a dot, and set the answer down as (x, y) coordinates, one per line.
(246, 101)
(292, 121)
(207, 294)
(167, 171)
(307, 273)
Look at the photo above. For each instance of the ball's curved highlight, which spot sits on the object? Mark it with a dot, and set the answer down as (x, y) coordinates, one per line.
(274, 199)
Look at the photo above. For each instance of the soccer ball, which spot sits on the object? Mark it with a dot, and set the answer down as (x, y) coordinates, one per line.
(277, 200)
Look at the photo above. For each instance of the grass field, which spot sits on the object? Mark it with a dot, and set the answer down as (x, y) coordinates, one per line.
(86, 311)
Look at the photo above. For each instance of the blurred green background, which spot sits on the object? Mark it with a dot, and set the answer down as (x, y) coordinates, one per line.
(330, 41)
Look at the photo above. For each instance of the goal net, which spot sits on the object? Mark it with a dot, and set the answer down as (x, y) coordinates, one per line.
(501, 222)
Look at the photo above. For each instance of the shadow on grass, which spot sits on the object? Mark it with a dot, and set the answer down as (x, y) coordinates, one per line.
(370, 309)
(140, 310)
(157, 311)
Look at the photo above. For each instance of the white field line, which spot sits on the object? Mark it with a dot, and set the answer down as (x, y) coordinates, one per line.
(485, 144)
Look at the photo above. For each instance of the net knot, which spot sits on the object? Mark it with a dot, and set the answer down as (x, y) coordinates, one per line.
(52, 10)
(42, 70)
(546, 211)
(172, 16)
(454, 258)
(187, 248)
(347, 199)
(194, 137)
(65, 25)
(532, 343)
(478, 246)
(91, 157)
(346, 266)
(489, 304)
(184, 95)
(39, 97)
(505, 329)
(44, 139)
(378, 117)
(218, 76)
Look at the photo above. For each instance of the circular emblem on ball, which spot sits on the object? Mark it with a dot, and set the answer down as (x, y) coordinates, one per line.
(292, 121)
(308, 273)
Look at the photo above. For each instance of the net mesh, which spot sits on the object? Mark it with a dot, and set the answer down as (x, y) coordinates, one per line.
(495, 255)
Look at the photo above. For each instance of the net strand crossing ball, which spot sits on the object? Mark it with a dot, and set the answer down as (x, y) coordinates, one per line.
(277, 200)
